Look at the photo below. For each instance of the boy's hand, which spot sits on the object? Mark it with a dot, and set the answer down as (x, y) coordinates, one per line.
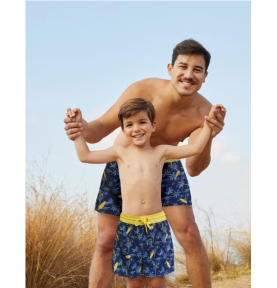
(75, 124)
(216, 119)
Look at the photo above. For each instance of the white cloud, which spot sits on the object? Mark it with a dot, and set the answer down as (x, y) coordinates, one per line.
(220, 150)
(229, 157)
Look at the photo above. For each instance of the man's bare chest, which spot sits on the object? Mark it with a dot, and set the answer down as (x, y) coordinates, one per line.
(174, 128)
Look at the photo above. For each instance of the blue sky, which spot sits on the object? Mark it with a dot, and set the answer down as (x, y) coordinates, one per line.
(85, 54)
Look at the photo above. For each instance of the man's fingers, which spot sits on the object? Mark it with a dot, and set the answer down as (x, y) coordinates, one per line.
(74, 136)
(220, 118)
(73, 131)
(73, 125)
(69, 120)
(214, 123)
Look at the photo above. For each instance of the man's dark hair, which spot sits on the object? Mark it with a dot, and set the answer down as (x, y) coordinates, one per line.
(191, 47)
(134, 106)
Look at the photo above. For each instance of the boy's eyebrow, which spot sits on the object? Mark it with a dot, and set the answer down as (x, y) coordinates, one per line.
(197, 66)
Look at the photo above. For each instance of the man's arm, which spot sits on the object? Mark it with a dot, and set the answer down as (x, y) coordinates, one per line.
(198, 163)
(97, 129)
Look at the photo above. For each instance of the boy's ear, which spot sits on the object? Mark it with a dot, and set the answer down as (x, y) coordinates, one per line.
(122, 129)
(154, 126)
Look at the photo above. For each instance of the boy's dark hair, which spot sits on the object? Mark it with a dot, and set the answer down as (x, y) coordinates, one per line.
(191, 47)
(134, 106)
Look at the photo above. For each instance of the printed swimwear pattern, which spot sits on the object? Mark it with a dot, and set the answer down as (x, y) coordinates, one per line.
(175, 188)
(137, 252)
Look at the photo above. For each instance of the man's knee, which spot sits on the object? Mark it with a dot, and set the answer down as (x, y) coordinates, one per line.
(105, 242)
(188, 235)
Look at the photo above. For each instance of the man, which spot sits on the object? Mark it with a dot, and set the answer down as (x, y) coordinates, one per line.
(180, 111)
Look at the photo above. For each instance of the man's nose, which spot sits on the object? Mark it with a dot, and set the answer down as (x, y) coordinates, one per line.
(188, 73)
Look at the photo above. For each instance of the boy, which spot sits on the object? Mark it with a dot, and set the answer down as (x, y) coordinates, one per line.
(143, 244)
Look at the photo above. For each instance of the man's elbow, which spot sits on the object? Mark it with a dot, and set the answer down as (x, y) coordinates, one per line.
(196, 170)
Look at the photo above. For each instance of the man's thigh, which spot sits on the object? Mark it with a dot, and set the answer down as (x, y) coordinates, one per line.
(107, 225)
(181, 219)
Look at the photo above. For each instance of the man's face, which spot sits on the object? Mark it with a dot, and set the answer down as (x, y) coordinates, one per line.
(138, 128)
(187, 74)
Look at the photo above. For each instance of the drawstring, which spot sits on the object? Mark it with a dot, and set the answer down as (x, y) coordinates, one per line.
(144, 220)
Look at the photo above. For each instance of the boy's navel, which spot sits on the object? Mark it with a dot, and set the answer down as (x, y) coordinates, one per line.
(142, 201)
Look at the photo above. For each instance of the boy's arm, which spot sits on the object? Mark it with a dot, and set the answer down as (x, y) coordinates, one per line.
(196, 148)
(95, 157)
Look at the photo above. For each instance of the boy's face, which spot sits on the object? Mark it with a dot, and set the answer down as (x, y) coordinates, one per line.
(187, 74)
(138, 128)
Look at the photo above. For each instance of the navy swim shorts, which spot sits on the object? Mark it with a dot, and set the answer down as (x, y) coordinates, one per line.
(143, 246)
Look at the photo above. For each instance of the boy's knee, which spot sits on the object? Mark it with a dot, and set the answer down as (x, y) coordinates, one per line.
(156, 282)
(136, 282)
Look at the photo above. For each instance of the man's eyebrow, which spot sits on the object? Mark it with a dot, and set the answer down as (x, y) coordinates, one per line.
(197, 66)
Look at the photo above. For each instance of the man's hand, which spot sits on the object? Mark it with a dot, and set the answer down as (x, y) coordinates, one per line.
(218, 112)
(75, 125)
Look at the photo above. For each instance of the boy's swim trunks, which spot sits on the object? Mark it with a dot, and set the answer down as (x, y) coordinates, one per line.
(175, 188)
(143, 246)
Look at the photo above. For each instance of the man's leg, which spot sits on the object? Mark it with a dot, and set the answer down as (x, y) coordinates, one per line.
(182, 222)
(100, 274)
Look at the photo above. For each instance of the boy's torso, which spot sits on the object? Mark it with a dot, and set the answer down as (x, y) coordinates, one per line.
(140, 176)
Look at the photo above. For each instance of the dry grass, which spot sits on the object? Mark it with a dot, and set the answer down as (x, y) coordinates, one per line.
(229, 253)
(60, 236)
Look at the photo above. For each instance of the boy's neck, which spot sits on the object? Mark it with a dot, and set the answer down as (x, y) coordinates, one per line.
(144, 147)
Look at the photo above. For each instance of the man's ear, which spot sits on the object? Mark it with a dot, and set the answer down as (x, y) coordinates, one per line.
(206, 74)
(169, 68)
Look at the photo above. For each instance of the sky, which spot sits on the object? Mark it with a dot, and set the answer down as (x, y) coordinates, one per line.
(85, 54)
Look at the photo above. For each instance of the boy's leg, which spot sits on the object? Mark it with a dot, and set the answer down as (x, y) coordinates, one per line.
(156, 282)
(101, 275)
(182, 222)
(138, 282)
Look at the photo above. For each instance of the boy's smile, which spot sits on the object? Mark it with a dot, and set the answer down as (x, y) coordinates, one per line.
(138, 128)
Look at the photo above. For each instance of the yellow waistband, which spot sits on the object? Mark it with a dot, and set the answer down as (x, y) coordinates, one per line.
(171, 160)
(154, 218)
(143, 220)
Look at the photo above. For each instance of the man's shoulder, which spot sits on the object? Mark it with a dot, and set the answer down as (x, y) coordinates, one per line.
(202, 104)
(149, 83)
